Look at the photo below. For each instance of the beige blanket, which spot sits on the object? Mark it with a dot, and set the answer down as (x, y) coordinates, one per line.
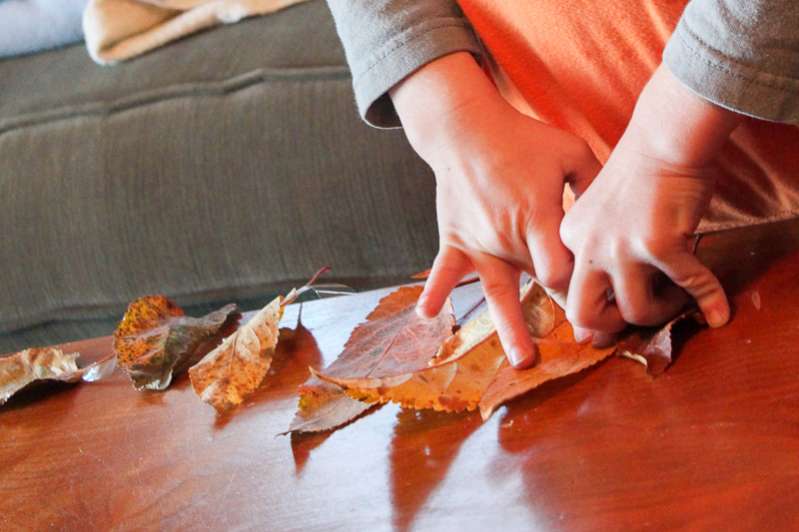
(117, 30)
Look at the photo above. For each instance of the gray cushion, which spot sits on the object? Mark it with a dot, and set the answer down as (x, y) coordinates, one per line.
(223, 167)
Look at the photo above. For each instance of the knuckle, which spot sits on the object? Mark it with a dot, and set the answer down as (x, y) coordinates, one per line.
(656, 248)
(446, 265)
(492, 243)
(554, 278)
(582, 149)
(496, 289)
(688, 281)
(568, 232)
(698, 284)
(579, 317)
(616, 250)
(636, 314)
(688, 273)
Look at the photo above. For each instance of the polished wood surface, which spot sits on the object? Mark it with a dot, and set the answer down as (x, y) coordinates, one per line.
(712, 444)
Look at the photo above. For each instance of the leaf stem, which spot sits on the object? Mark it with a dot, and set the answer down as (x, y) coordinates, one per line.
(294, 294)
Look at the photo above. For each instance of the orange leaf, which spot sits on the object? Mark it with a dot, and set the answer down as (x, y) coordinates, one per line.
(456, 381)
(393, 342)
(559, 355)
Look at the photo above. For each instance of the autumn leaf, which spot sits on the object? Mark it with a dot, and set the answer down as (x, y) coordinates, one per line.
(324, 406)
(155, 341)
(455, 382)
(653, 346)
(21, 370)
(558, 355)
(470, 369)
(392, 343)
(226, 375)
(235, 369)
(465, 367)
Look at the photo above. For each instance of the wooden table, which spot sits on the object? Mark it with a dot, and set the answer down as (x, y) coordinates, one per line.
(711, 444)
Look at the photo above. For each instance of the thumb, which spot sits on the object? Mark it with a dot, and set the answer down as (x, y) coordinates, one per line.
(695, 278)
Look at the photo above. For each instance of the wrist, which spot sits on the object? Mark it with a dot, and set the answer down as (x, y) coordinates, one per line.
(676, 126)
(431, 101)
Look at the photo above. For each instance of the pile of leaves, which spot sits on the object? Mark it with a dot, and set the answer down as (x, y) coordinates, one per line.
(393, 356)
(399, 357)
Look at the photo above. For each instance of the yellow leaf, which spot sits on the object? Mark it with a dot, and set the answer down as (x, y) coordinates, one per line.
(226, 375)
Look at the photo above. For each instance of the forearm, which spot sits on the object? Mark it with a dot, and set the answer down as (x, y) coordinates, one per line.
(385, 40)
(676, 126)
(427, 100)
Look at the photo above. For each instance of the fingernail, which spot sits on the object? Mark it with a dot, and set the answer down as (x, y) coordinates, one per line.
(421, 311)
(582, 335)
(716, 318)
(517, 357)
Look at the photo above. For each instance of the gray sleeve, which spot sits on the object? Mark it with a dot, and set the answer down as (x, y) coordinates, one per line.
(385, 40)
(740, 54)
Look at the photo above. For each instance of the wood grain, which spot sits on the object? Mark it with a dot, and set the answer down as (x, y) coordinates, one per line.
(711, 444)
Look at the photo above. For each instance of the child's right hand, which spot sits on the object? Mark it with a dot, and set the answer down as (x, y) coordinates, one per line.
(500, 178)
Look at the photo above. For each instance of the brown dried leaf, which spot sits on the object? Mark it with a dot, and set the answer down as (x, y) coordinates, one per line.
(155, 341)
(473, 356)
(20, 370)
(559, 355)
(324, 406)
(235, 369)
(226, 375)
(652, 346)
(393, 342)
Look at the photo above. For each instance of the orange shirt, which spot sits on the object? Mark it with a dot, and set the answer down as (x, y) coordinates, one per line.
(581, 64)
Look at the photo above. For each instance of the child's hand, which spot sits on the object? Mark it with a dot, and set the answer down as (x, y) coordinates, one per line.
(635, 223)
(500, 177)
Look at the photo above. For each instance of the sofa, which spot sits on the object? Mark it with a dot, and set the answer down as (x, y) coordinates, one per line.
(225, 167)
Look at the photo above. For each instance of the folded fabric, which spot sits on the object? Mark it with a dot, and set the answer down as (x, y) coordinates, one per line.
(29, 26)
(116, 30)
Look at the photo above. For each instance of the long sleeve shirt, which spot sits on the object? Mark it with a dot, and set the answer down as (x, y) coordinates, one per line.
(739, 54)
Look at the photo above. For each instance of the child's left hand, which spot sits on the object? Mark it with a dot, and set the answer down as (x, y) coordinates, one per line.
(632, 231)
(635, 221)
